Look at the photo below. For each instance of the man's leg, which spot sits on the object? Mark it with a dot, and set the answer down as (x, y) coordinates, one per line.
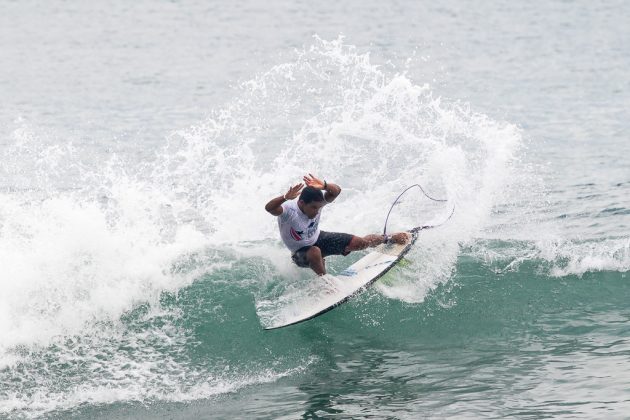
(358, 243)
(316, 260)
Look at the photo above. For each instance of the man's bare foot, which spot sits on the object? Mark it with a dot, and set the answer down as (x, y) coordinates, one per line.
(399, 238)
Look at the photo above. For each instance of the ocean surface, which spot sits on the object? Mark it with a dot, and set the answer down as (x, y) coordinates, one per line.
(140, 141)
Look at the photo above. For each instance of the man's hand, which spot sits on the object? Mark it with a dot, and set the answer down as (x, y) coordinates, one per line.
(314, 182)
(332, 190)
(275, 205)
(294, 191)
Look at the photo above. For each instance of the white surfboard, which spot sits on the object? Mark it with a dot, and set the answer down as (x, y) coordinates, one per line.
(338, 289)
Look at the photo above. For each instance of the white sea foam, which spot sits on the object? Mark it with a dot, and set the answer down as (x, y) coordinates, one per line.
(556, 257)
(578, 258)
(110, 365)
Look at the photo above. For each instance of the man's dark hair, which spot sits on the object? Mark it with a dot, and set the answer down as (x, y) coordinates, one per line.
(310, 194)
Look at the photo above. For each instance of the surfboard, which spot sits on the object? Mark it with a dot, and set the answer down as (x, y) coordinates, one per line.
(338, 289)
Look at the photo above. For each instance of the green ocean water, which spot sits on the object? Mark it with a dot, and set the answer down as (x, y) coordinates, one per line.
(486, 344)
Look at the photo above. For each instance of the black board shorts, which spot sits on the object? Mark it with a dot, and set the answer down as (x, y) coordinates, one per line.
(330, 243)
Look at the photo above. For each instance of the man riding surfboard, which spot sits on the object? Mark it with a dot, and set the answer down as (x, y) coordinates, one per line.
(298, 222)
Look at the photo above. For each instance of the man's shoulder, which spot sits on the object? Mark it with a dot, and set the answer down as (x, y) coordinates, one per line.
(288, 209)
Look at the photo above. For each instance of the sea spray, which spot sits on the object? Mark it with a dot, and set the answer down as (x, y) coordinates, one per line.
(102, 264)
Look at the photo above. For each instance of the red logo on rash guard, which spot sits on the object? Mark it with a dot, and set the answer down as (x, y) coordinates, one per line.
(296, 235)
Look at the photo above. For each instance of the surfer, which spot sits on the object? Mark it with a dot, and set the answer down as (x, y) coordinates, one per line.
(299, 225)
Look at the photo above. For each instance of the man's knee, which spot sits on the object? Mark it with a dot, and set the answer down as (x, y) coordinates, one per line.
(357, 243)
(361, 242)
(314, 253)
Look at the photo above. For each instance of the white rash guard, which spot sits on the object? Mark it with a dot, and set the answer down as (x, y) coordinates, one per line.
(296, 229)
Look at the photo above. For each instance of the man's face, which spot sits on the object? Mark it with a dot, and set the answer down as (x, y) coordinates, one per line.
(311, 209)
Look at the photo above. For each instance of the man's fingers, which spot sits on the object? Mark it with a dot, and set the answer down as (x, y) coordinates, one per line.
(295, 188)
(311, 178)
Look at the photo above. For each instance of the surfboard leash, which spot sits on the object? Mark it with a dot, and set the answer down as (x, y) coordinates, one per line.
(418, 228)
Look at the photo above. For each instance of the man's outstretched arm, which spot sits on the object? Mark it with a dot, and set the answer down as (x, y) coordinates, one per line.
(332, 190)
(275, 205)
